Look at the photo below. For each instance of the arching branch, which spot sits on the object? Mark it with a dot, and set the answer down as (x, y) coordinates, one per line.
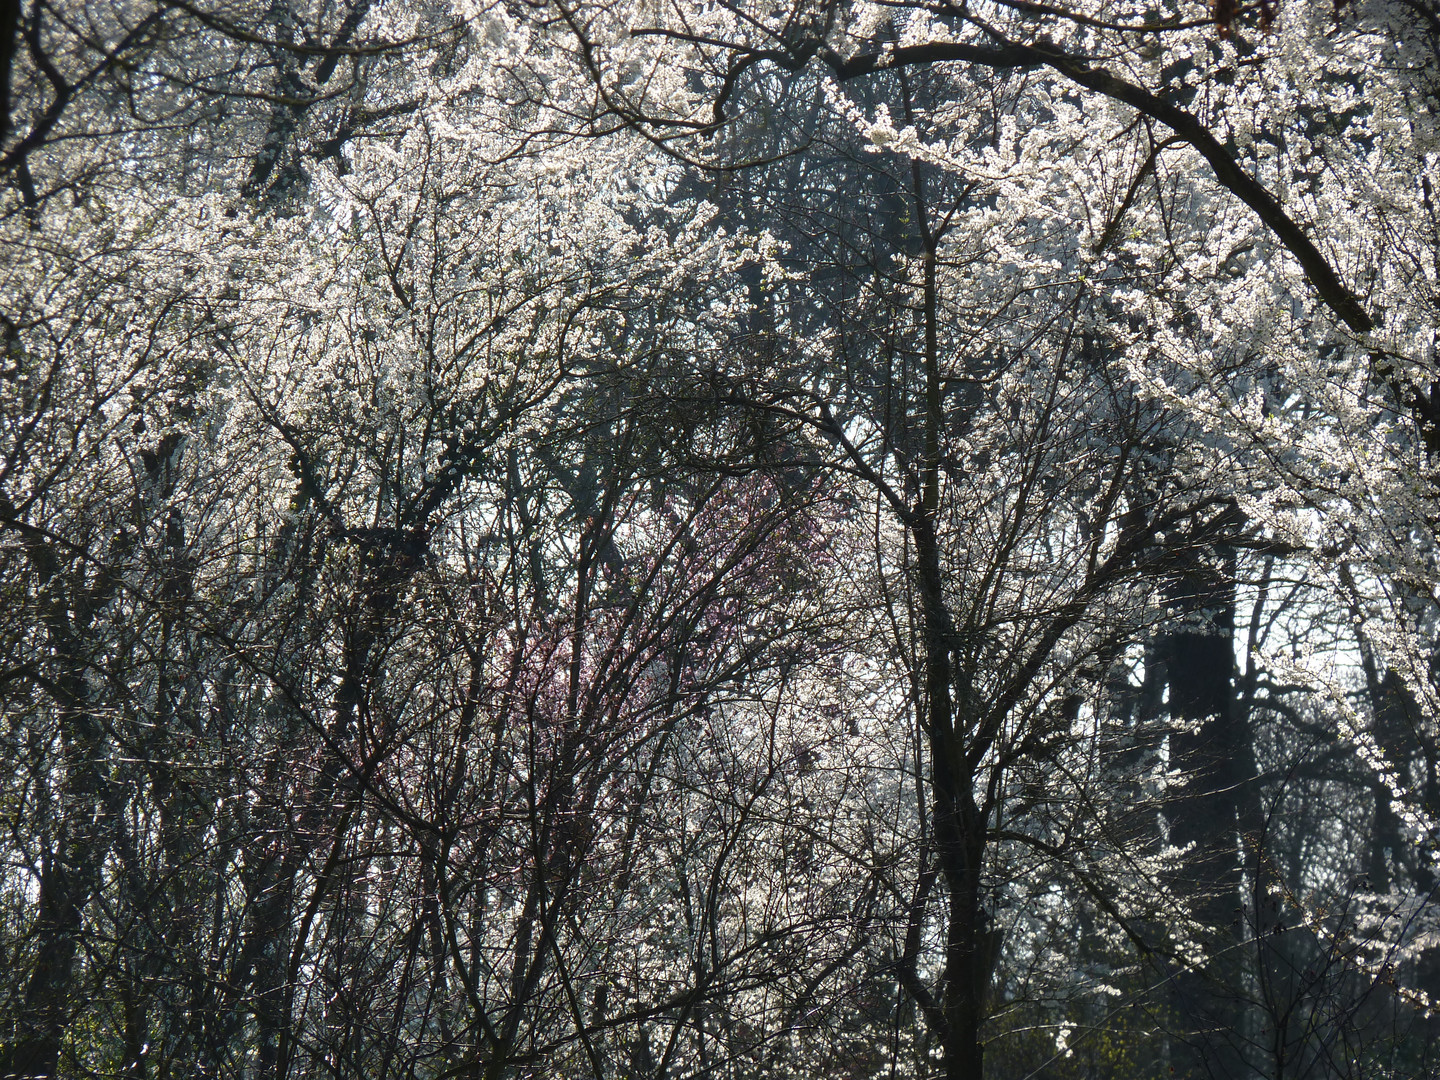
(1326, 282)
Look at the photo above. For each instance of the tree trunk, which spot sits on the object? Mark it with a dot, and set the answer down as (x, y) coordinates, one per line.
(1210, 815)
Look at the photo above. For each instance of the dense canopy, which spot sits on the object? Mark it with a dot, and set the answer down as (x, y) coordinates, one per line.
(657, 539)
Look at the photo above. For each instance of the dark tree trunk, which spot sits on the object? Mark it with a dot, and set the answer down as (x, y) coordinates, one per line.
(1214, 814)
(70, 868)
